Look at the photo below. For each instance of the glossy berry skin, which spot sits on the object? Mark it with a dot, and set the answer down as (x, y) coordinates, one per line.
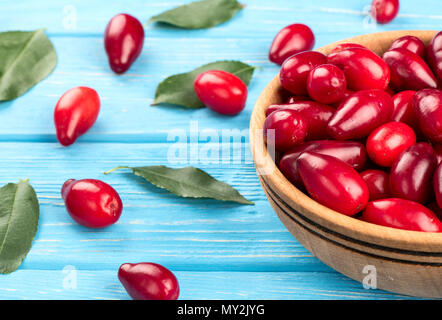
(346, 45)
(427, 106)
(390, 91)
(384, 11)
(333, 183)
(433, 206)
(75, 113)
(363, 68)
(412, 172)
(410, 43)
(326, 84)
(377, 183)
(401, 214)
(351, 152)
(408, 70)
(434, 55)
(403, 110)
(92, 203)
(360, 114)
(292, 39)
(221, 91)
(437, 184)
(123, 41)
(285, 129)
(388, 141)
(295, 70)
(148, 281)
(315, 114)
(294, 99)
(346, 94)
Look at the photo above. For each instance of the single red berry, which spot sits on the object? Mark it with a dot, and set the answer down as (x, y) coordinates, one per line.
(314, 113)
(295, 70)
(427, 106)
(290, 40)
(326, 84)
(388, 141)
(408, 71)
(148, 281)
(75, 113)
(285, 129)
(92, 203)
(332, 182)
(221, 91)
(123, 41)
(360, 114)
(401, 214)
(412, 173)
(384, 11)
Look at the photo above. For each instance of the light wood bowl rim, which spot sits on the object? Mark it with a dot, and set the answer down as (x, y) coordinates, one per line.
(347, 226)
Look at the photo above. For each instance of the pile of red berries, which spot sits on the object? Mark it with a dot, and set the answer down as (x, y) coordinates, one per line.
(362, 134)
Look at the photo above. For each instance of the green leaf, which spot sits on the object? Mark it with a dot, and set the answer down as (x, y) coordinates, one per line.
(188, 182)
(19, 213)
(25, 59)
(199, 14)
(178, 89)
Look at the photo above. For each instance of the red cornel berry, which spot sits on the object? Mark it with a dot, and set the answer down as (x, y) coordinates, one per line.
(123, 41)
(384, 11)
(410, 43)
(295, 70)
(402, 214)
(148, 281)
(387, 142)
(221, 91)
(326, 84)
(285, 129)
(408, 71)
(290, 40)
(75, 113)
(92, 203)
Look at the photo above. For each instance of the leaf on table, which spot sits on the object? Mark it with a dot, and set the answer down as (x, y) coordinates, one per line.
(178, 89)
(188, 182)
(199, 14)
(26, 58)
(19, 212)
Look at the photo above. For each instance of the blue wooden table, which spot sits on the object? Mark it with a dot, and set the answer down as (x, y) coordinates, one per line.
(217, 250)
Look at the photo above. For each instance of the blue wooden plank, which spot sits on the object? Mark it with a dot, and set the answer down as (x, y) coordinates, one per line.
(60, 284)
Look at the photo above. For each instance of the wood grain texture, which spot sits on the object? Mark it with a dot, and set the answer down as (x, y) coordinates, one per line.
(218, 250)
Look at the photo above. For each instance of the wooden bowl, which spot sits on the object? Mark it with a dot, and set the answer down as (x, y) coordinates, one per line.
(406, 262)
